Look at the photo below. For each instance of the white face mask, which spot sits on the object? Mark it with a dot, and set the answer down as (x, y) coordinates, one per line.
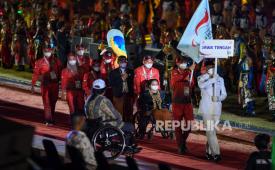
(123, 65)
(210, 71)
(108, 61)
(72, 62)
(80, 52)
(183, 66)
(148, 65)
(47, 54)
(154, 87)
(96, 68)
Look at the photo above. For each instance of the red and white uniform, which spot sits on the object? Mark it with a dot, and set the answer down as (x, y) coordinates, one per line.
(71, 83)
(142, 74)
(181, 100)
(88, 80)
(84, 62)
(48, 71)
(106, 68)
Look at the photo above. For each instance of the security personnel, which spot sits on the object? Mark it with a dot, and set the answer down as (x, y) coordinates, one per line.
(48, 71)
(83, 61)
(181, 86)
(144, 73)
(211, 107)
(71, 84)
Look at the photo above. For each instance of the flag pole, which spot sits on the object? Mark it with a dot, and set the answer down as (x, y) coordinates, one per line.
(215, 74)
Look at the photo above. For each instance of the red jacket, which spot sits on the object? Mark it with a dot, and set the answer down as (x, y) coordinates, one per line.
(70, 80)
(180, 85)
(84, 62)
(88, 80)
(105, 69)
(141, 75)
(48, 74)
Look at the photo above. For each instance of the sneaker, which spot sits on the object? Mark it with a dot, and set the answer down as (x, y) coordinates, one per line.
(217, 158)
(209, 156)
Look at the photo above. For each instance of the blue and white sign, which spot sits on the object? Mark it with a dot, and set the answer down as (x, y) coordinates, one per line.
(216, 48)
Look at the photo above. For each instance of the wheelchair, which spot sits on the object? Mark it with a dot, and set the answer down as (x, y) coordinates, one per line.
(108, 139)
(146, 124)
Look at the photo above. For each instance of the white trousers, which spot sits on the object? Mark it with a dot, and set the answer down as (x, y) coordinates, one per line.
(212, 145)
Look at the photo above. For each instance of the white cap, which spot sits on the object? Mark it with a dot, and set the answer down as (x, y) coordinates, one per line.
(99, 84)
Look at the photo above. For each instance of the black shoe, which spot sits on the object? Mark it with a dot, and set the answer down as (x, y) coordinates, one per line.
(217, 158)
(182, 149)
(132, 149)
(209, 156)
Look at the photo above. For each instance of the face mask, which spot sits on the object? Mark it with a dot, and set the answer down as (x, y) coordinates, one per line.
(72, 62)
(47, 54)
(154, 87)
(80, 52)
(123, 65)
(148, 65)
(96, 68)
(210, 71)
(108, 61)
(183, 66)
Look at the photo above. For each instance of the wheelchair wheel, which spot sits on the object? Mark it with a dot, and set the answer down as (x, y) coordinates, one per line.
(110, 141)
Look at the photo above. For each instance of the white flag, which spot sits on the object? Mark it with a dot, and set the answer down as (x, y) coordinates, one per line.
(199, 28)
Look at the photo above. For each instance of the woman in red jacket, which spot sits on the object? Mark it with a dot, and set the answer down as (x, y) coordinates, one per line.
(71, 84)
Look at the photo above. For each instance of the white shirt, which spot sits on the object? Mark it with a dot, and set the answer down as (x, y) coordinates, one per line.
(206, 84)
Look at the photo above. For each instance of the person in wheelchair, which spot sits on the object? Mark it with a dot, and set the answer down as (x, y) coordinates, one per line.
(99, 107)
(151, 107)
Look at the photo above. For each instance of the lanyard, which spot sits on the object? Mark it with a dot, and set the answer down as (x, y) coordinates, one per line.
(145, 74)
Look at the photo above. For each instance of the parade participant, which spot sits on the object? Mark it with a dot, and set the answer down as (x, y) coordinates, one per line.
(181, 87)
(83, 61)
(144, 73)
(90, 77)
(211, 107)
(107, 63)
(100, 107)
(7, 60)
(270, 85)
(48, 71)
(121, 81)
(245, 89)
(106, 66)
(71, 80)
(151, 103)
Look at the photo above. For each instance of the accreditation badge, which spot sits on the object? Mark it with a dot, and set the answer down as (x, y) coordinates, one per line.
(53, 75)
(186, 91)
(78, 84)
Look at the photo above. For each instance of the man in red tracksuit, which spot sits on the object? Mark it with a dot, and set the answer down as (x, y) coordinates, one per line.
(90, 77)
(48, 70)
(143, 74)
(106, 66)
(181, 99)
(71, 84)
(83, 61)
